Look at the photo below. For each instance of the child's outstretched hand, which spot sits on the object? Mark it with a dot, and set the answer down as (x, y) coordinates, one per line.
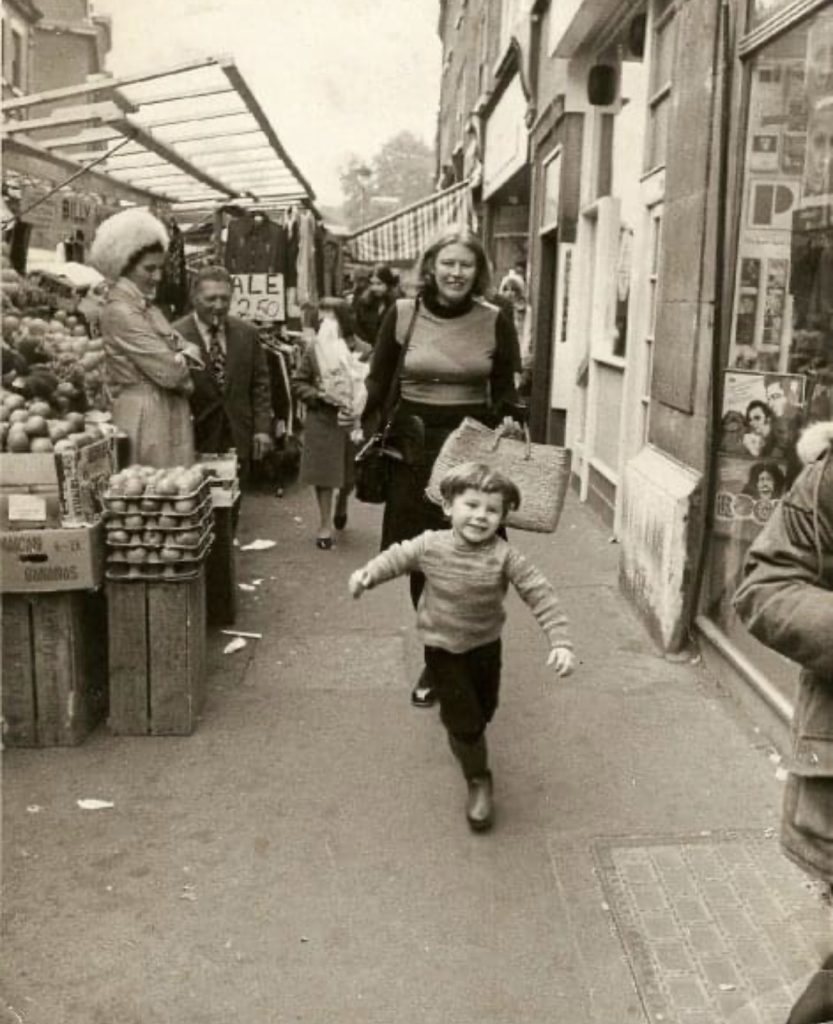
(359, 582)
(563, 660)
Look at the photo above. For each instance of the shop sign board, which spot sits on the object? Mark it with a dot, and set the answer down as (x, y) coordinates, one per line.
(65, 215)
(507, 142)
(258, 297)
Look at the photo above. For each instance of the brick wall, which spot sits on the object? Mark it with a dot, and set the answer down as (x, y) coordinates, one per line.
(471, 39)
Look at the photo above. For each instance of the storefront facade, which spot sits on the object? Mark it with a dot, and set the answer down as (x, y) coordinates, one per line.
(776, 345)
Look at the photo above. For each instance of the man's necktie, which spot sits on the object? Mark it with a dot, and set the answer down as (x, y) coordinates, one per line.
(216, 354)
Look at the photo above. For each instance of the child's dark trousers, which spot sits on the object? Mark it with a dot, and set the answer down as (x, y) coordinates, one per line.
(467, 688)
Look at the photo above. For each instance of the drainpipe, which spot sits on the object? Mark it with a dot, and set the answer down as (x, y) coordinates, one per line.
(724, 52)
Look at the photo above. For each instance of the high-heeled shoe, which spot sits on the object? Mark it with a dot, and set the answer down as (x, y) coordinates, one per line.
(323, 543)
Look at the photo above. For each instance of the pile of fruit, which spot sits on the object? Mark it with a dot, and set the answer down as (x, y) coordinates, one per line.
(158, 523)
(54, 360)
(36, 425)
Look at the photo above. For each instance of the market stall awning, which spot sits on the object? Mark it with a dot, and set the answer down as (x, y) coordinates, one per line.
(194, 135)
(404, 235)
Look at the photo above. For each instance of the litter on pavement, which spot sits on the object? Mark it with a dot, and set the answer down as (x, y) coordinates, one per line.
(259, 545)
(94, 805)
(237, 644)
(241, 632)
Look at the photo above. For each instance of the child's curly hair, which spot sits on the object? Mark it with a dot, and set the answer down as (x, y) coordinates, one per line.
(480, 477)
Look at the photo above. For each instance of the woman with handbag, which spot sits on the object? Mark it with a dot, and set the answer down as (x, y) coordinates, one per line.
(443, 356)
(328, 383)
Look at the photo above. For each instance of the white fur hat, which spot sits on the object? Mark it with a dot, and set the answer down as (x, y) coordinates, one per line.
(122, 236)
(814, 441)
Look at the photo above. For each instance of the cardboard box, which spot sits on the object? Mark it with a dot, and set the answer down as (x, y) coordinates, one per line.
(79, 477)
(33, 561)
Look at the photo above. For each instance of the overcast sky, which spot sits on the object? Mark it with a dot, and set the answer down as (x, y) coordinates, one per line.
(333, 76)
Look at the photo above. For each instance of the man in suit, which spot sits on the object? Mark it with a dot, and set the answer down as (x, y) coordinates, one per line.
(231, 401)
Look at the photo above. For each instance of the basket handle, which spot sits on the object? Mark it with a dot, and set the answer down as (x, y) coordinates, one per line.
(501, 433)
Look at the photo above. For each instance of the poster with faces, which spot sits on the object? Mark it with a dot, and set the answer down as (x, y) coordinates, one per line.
(761, 415)
(747, 495)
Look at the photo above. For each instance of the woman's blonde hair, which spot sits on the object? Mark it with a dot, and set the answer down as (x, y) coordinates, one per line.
(456, 236)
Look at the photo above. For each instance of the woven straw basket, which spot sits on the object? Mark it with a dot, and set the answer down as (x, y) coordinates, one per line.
(541, 472)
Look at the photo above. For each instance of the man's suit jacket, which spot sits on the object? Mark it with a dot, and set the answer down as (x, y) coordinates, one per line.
(243, 408)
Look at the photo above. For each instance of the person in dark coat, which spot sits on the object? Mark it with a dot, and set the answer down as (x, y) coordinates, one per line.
(786, 602)
(231, 402)
(372, 304)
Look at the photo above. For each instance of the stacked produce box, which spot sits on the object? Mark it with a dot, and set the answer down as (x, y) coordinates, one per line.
(159, 523)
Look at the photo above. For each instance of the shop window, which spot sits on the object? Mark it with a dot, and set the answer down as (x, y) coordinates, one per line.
(780, 366)
(663, 47)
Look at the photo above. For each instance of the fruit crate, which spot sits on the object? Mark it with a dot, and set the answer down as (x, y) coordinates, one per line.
(54, 667)
(157, 656)
(153, 566)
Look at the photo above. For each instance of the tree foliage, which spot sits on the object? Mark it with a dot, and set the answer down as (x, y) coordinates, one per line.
(402, 172)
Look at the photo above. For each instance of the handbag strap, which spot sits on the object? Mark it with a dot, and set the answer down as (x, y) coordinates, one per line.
(392, 398)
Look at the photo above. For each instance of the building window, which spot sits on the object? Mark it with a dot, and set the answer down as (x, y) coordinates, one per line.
(16, 66)
(780, 371)
(655, 239)
(663, 47)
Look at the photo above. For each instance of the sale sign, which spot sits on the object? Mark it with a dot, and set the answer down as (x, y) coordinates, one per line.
(258, 297)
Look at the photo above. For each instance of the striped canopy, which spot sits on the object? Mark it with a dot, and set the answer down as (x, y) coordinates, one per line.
(405, 235)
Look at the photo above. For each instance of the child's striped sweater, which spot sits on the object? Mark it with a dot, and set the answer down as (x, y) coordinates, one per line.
(462, 604)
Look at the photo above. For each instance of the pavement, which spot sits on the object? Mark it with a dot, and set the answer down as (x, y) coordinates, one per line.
(304, 856)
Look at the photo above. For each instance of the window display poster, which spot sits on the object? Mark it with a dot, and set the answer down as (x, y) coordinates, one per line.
(761, 415)
(761, 311)
(747, 495)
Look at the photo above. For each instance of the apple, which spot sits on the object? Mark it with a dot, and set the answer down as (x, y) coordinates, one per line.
(152, 538)
(136, 555)
(75, 421)
(117, 505)
(17, 439)
(153, 557)
(134, 522)
(168, 523)
(165, 487)
(189, 538)
(41, 444)
(149, 505)
(18, 416)
(117, 536)
(134, 486)
(36, 426)
(185, 504)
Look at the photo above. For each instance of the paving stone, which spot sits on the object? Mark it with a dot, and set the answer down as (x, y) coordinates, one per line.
(706, 926)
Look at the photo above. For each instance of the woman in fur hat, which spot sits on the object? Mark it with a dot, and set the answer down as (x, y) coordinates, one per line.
(147, 362)
(786, 601)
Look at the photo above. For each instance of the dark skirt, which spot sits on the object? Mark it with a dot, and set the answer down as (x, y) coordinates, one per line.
(327, 454)
(420, 432)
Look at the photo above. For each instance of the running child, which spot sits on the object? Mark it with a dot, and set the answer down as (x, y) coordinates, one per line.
(468, 569)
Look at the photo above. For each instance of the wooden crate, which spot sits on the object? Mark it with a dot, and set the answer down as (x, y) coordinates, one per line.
(157, 656)
(54, 667)
(221, 569)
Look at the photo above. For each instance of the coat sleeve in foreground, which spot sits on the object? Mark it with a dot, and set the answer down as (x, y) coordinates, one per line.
(783, 601)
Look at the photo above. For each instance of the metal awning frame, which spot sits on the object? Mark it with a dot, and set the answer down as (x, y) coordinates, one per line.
(198, 160)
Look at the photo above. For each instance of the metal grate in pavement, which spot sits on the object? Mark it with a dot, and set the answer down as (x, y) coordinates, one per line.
(718, 929)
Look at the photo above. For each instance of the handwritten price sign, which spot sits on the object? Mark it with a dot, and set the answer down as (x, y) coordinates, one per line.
(258, 297)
